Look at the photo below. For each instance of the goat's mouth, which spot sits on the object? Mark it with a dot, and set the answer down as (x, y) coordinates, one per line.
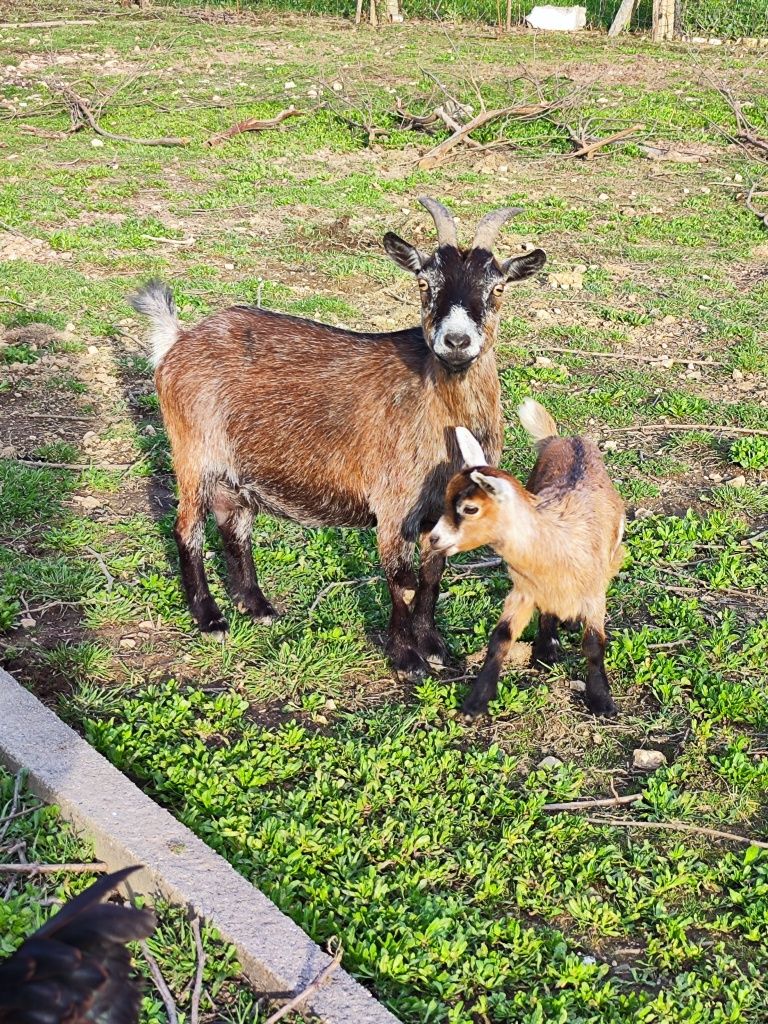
(457, 365)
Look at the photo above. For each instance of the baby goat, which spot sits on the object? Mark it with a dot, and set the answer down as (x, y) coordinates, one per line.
(273, 413)
(561, 540)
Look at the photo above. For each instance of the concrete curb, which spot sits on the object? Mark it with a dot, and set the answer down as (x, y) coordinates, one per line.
(127, 827)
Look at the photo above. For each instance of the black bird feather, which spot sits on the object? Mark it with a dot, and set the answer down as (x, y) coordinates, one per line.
(76, 968)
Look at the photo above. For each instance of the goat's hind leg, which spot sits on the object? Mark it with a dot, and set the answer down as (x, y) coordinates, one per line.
(189, 534)
(234, 519)
(598, 693)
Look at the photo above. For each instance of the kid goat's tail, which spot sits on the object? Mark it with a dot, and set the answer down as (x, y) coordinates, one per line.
(536, 420)
(155, 300)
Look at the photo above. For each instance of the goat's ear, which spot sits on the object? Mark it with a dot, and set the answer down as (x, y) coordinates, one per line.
(518, 267)
(403, 253)
(495, 487)
(470, 449)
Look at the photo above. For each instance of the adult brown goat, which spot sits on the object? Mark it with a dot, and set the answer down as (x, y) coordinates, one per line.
(272, 413)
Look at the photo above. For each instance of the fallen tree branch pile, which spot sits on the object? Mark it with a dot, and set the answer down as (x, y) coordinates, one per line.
(761, 215)
(746, 130)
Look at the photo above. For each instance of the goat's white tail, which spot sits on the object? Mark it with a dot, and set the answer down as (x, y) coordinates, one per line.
(155, 300)
(536, 420)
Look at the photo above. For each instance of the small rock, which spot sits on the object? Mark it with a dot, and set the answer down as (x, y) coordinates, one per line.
(648, 760)
(289, 85)
(738, 481)
(550, 762)
(577, 685)
(543, 361)
(128, 643)
(87, 501)
(147, 625)
(97, 143)
(610, 446)
(229, 266)
(93, 350)
(27, 622)
(337, 87)
(149, 430)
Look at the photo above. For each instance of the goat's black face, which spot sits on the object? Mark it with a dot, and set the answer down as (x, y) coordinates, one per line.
(461, 295)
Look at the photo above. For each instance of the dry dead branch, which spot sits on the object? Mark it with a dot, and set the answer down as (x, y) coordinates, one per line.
(582, 805)
(746, 130)
(679, 826)
(588, 149)
(51, 869)
(30, 129)
(524, 112)
(253, 124)
(161, 986)
(82, 114)
(761, 215)
(313, 986)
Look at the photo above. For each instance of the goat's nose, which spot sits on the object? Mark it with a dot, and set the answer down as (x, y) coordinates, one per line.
(457, 342)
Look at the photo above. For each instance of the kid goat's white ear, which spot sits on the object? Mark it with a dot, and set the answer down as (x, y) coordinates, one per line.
(471, 451)
(494, 486)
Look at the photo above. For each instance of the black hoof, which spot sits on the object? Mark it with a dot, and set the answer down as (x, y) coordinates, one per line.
(470, 710)
(602, 705)
(408, 665)
(546, 654)
(215, 627)
(262, 612)
(433, 649)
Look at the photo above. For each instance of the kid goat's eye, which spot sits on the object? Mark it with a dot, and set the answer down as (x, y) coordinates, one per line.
(470, 510)
(499, 289)
(424, 285)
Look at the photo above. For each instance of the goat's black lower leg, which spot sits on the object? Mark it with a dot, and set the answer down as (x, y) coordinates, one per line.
(598, 692)
(546, 646)
(189, 540)
(430, 644)
(235, 530)
(515, 617)
(397, 559)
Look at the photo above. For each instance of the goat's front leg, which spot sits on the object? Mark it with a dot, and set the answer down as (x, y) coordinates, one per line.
(430, 644)
(518, 609)
(397, 560)
(598, 692)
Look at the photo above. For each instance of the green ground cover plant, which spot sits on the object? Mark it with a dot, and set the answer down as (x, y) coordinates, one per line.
(364, 808)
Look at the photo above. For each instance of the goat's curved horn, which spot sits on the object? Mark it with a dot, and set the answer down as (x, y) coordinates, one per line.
(444, 222)
(490, 225)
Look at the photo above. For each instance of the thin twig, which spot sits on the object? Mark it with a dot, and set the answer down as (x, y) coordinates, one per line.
(629, 356)
(579, 805)
(679, 826)
(74, 465)
(253, 124)
(102, 565)
(340, 583)
(51, 869)
(44, 24)
(438, 153)
(8, 818)
(53, 415)
(194, 1013)
(587, 150)
(313, 986)
(160, 985)
(712, 428)
(14, 805)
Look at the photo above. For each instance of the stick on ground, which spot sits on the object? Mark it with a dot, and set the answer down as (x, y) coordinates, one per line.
(311, 987)
(52, 869)
(579, 805)
(253, 124)
(160, 985)
(679, 826)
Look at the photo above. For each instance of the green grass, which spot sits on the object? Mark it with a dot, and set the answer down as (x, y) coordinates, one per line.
(364, 808)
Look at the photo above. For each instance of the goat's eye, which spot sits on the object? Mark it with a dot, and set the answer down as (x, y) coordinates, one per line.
(470, 510)
(423, 284)
(499, 289)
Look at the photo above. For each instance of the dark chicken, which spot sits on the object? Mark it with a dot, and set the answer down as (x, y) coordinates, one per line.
(76, 968)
